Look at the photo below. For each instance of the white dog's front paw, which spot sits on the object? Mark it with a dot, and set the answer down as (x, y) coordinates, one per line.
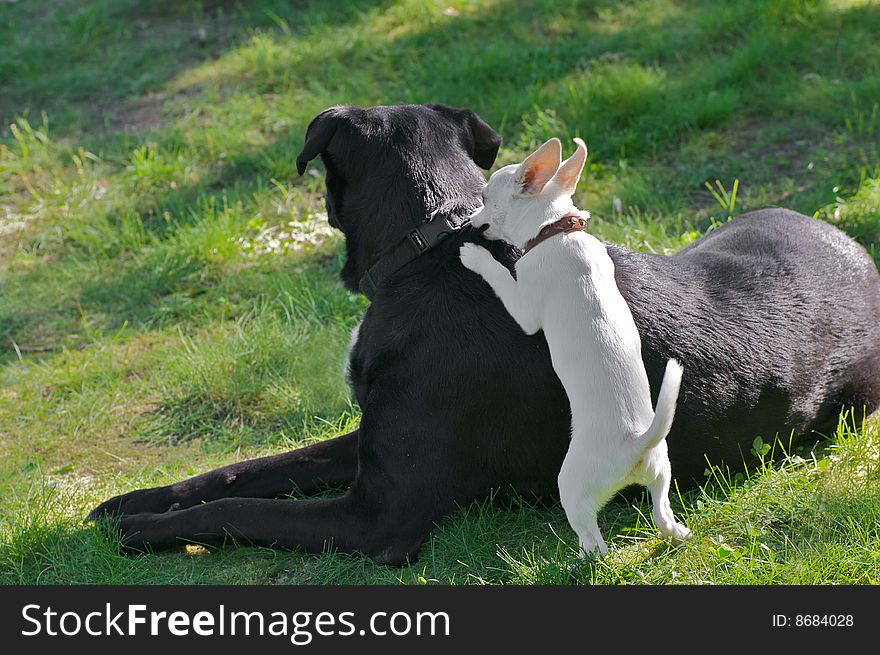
(475, 257)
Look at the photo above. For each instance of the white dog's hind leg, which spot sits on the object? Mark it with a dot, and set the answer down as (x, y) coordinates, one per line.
(581, 508)
(657, 466)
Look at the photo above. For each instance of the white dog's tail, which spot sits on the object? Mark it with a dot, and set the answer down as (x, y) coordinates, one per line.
(665, 410)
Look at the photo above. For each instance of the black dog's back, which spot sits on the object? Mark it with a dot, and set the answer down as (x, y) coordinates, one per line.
(774, 316)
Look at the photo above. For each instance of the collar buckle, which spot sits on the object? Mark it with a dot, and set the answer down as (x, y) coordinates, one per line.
(418, 240)
(414, 243)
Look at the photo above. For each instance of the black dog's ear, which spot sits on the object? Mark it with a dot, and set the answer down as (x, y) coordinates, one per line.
(319, 134)
(481, 141)
(486, 141)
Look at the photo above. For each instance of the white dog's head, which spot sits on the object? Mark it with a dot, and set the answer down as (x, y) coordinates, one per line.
(521, 199)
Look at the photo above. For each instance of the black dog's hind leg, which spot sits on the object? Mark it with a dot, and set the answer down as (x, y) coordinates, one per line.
(305, 470)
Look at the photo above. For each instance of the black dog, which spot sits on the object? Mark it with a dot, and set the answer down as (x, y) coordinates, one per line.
(774, 317)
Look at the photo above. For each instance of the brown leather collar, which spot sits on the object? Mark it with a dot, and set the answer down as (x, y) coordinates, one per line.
(568, 223)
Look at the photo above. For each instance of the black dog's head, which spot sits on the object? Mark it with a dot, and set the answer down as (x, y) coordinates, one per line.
(391, 168)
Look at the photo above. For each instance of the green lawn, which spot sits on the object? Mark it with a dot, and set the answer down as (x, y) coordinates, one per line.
(168, 285)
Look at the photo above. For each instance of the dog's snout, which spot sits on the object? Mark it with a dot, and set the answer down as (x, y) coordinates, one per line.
(476, 212)
(488, 233)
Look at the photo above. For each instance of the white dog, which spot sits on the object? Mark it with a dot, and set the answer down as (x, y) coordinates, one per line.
(565, 285)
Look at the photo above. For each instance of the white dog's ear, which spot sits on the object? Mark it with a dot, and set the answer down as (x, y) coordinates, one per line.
(538, 168)
(570, 171)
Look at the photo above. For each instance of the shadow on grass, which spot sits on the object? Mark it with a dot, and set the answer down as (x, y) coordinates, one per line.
(99, 63)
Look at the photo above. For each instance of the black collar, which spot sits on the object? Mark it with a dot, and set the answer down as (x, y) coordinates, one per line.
(414, 243)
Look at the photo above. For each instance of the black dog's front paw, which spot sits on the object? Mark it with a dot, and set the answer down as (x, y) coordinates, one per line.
(138, 534)
(140, 501)
(134, 534)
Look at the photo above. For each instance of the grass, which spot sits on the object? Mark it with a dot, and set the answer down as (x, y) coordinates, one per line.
(168, 293)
